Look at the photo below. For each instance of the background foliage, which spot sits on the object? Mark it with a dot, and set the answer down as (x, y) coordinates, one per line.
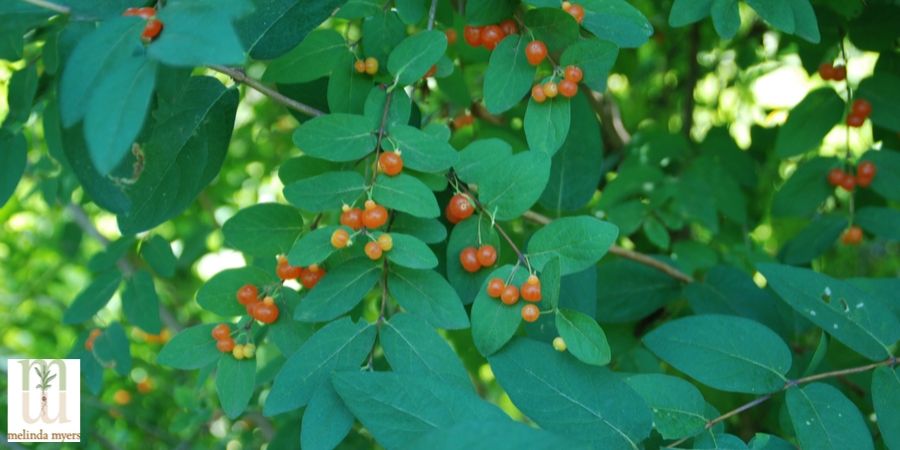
(676, 209)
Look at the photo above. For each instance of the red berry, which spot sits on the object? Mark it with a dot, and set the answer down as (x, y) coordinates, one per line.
(143, 13)
(537, 93)
(487, 255)
(577, 12)
(472, 35)
(225, 345)
(839, 73)
(573, 74)
(855, 121)
(360, 66)
(460, 207)
(531, 292)
(374, 217)
(491, 35)
(221, 331)
(352, 218)
(568, 88)
(431, 71)
(266, 312)
(509, 27)
(852, 236)
(848, 183)
(462, 120)
(247, 294)
(510, 295)
(468, 258)
(390, 163)
(836, 176)
(865, 172)
(530, 313)
(373, 250)
(251, 308)
(495, 287)
(450, 216)
(286, 271)
(451, 36)
(535, 52)
(311, 275)
(861, 107)
(826, 71)
(152, 30)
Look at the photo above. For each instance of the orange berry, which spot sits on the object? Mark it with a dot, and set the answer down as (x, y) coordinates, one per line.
(265, 312)
(221, 331)
(286, 271)
(839, 74)
(531, 292)
(568, 88)
(145, 386)
(359, 65)
(472, 35)
(390, 163)
(533, 279)
(495, 287)
(431, 71)
(225, 345)
(537, 93)
(530, 313)
(577, 12)
(487, 255)
(386, 242)
(573, 74)
(861, 107)
(836, 176)
(852, 236)
(373, 250)
(122, 397)
(848, 183)
(311, 276)
(451, 36)
(374, 217)
(371, 66)
(509, 27)
(151, 30)
(491, 35)
(340, 238)
(460, 207)
(510, 295)
(143, 13)
(352, 218)
(248, 293)
(535, 52)
(468, 259)
(550, 89)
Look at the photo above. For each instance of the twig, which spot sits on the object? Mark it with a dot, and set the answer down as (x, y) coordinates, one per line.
(239, 76)
(791, 383)
(431, 13)
(617, 137)
(62, 9)
(625, 253)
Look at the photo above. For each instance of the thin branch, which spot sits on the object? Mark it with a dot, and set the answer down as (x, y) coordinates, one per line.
(791, 383)
(480, 206)
(617, 137)
(625, 253)
(240, 76)
(62, 9)
(431, 13)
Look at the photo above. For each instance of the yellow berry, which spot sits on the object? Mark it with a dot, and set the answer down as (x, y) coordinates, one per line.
(386, 242)
(249, 350)
(559, 344)
(238, 352)
(371, 66)
(269, 300)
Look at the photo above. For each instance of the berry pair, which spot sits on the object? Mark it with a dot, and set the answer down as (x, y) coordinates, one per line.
(374, 216)
(859, 112)
(575, 10)
(369, 65)
(374, 249)
(308, 276)
(391, 163)
(89, 343)
(459, 208)
(222, 334)
(568, 86)
(852, 236)
(265, 310)
(865, 173)
(472, 259)
(153, 27)
(833, 73)
(489, 36)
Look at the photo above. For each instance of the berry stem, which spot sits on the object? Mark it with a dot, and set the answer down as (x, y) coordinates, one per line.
(239, 76)
(381, 129)
(851, 204)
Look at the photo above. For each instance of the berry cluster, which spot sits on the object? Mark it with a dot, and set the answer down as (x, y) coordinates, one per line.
(472, 259)
(225, 343)
(488, 36)
(308, 276)
(833, 73)
(860, 110)
(153, 27)
(374, 216)
(374, 249)
(509, 295)
(865, 173)
(459, 208)
(567, 87)
(391, 163)
(265, 310)
(369, 65)
(89, 343)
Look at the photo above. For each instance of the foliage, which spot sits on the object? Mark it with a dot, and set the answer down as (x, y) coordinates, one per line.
(705, 276)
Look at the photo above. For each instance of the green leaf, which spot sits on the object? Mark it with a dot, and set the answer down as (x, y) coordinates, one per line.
(407, 194)
(265, 229)
(158, 254)
(825, 419)
(814, 240)
(849, 314)
(347, 89)
(430, 231)
(336, 137)
(616, 21)
(190, 349)
(340, 345)
(140, 302)
(399, 110)
(762, 441)
(579, 401)
(313, 248)
(272, 29)
(325, 192)
(887, 180)
(678, 407)
(288, 334)
(726, 17)
(728, 353)
(886, 399)
(488, 12)
(465, 234)
(718, 441)
(92, 60)
(656, 232)
(93, 298)
(12, 162)
(428, 295)
(805, 190)
(686, 12)
(411, 346)
(516, 184)
(235, 380)
(595, 57)
(195, 36)
(882, 222)
(553, 26)
(188, 143)
(551, 282)
(422, 151)
(809, 122)
(491, 434)
(112, 350)
(302, 167)
(382, 31)
(880, 92)
(411, 252)
(479, 157)
(494, 323)
(315, 57)
(411, 11)
(398, 408)
(339, 291)
(326, 420)
(218, 295)
(579, 242)
(792, 17)
(414, 56)
(20, 94)
(547, 124)
(509, 76)
(584, 338)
